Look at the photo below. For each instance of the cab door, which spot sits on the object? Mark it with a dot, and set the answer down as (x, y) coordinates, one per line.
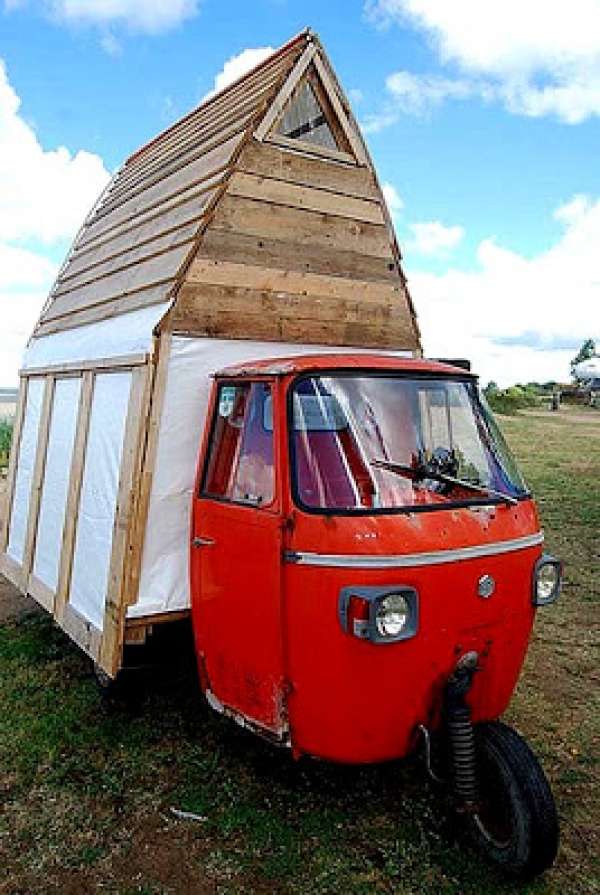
(236, 557)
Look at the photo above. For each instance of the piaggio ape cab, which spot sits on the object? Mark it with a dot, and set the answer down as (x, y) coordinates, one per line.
(366, 563)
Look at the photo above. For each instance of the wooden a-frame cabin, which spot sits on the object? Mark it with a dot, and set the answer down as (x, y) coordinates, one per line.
(253, 227)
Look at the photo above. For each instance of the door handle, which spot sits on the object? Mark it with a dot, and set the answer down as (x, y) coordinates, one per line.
(202, 542)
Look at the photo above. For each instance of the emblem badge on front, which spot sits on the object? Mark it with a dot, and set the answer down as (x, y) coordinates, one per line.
(486, 586)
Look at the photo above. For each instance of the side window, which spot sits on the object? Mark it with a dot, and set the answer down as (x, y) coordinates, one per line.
(240, 464)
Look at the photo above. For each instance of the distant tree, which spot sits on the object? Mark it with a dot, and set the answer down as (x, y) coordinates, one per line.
(587, 350)
(491, 388)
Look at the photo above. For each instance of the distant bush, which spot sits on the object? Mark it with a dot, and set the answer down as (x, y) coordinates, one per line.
(6, 431)
(516, 397)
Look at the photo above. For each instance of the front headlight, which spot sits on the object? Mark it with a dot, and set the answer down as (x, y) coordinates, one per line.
(379, 614)
(547, 580)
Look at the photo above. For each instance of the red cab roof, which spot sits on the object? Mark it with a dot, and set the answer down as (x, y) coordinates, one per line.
(284, 366)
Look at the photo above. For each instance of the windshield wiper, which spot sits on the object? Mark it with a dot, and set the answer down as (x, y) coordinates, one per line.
(418, 473)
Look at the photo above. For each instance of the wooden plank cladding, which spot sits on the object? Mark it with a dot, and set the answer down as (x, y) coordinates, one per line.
(281, 192)
(257, 218)
(292, 166)
(284, 255)
(235, 313)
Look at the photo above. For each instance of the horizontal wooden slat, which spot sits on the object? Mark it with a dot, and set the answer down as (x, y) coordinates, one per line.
(167, 188)
(142, 299)
(81, 631)
(393, 332)
(127, 361)
(206, 301)
(267, 160)
(158, 269)
(313, 149)
(265, 279)
(184, 208)
(13, 571)
(184, 142)
(278, 253)
(251, 216)
(219, 108)
(116, 263)
(280, 192)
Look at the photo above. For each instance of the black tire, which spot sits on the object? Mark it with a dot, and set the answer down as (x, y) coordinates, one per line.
(516, 827)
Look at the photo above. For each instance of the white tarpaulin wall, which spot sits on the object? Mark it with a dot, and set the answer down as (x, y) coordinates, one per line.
(27, 451)
(164, 580)
(56, 481)
(98, 498)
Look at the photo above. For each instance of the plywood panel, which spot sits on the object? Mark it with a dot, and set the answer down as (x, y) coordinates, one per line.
(281, 192)
(25, 470)
(252, 217)
(266, 160)
(284, 255)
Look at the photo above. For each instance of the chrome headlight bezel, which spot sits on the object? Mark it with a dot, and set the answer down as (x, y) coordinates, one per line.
(543, 562)
(375, 597)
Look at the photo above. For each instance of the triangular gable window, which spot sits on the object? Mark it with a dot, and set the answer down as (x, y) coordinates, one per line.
(305, 120)
(309, 117)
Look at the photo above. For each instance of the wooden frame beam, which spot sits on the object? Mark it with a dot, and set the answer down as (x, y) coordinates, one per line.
(100, 364)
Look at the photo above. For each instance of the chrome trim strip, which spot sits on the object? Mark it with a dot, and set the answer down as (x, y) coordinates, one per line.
(402, 560)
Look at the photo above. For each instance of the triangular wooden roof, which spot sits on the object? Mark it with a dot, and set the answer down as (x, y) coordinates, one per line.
(145, 230)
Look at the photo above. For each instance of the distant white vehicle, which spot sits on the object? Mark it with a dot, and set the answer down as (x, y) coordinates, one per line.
(588, 369)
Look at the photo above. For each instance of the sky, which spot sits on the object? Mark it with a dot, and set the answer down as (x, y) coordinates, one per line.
(483, 120)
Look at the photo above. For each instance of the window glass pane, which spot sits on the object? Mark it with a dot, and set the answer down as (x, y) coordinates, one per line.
(240, 462)
(442, 442)
(305, 120)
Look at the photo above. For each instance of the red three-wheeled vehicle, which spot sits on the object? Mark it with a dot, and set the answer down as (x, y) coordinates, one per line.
(366, 563)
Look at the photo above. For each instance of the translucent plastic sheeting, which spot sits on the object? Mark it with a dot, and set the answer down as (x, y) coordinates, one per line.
(56, 481)
(99, 496)
(164, 581)
(27, 452)
(126, 334)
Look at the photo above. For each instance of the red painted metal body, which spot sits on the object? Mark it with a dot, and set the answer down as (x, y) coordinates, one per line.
(271, 648)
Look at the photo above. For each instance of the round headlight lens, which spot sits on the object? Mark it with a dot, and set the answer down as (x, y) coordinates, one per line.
(548, 578)
(392, 615)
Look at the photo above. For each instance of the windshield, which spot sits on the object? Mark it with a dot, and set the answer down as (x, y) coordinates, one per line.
(390, 442)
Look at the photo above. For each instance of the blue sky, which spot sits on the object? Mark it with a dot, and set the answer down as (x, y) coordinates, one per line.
(483, 121)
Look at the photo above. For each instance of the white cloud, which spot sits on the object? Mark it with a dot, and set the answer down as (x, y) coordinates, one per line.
(518, 318)
(147, 16)
(392, 197)
(44, 197)
(537, 58)
(433, 238)
(237, 66)
(355, 95)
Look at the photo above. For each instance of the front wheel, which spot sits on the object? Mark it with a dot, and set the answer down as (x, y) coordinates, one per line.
(516, 825)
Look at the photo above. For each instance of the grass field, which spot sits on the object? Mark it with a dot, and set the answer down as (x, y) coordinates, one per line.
(87, 786)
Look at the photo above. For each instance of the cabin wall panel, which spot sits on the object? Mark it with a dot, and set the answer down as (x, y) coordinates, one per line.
(266, 160)
(151, 272)
(98, 499)
(254, 217)
(260, 251)
(56, 481)
(25, 468)
(281, 192)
